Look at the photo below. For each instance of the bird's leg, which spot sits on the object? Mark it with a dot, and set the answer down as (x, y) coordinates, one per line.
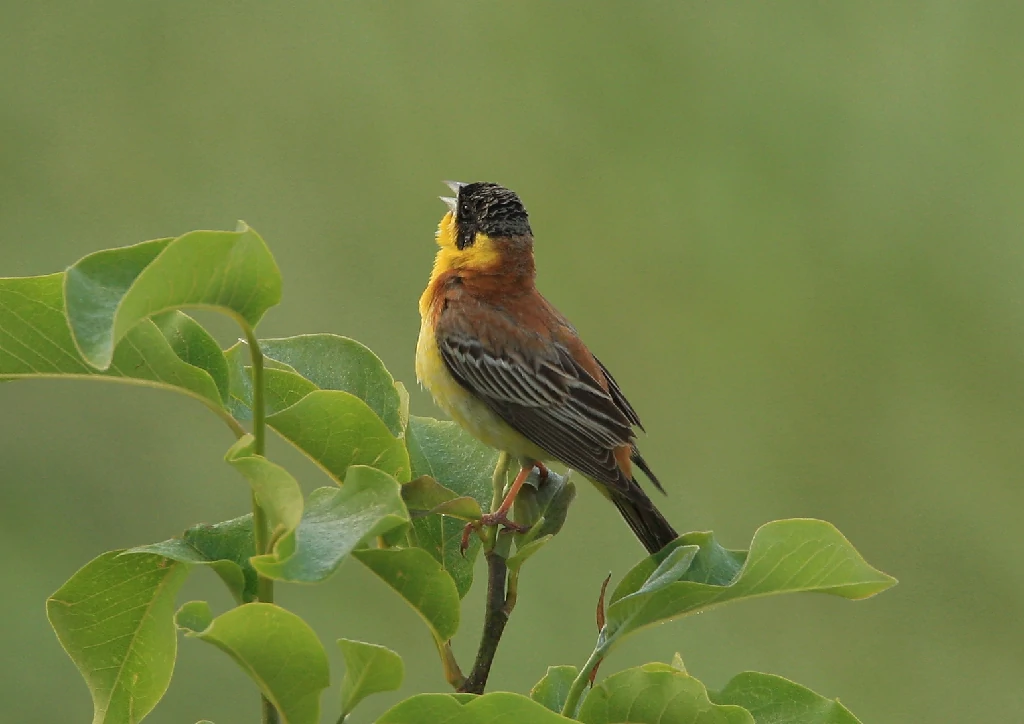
(500, 516)
(542, 471)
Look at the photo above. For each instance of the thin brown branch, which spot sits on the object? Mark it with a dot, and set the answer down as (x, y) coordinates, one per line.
(499, 608)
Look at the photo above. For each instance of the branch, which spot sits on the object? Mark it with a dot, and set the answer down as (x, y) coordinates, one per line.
(498, 610)
(261, 533)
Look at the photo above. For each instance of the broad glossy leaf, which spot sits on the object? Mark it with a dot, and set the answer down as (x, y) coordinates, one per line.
(439, 531)
(419, 579)
(775, 700)
(114, 618)
(335, 521)
(543, 506)
(276, 490)
(424, 709)
(282, 390)
(369, 669)
(452, 457)
(785, 556)
(194, 345)
(225, 547)
(172, 351)
(524, 553)
(424, 494)
(441, 537)
(553, 689)
(108, 292)
(283, 386)
(337, 429)
(276, 648)
(500, 707)
(672, 567)
(403, 405)
(463, 508)
(655, 694)
(331, 362)
(461, 464)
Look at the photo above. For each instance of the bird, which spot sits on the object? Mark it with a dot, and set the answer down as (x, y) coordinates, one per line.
(513, 372)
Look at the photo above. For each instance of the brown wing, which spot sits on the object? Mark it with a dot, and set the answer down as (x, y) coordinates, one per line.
(528, 377)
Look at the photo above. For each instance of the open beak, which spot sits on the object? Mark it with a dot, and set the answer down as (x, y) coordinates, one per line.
(452, 202)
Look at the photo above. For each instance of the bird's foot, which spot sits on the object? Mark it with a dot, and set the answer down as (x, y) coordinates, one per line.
(498, 518)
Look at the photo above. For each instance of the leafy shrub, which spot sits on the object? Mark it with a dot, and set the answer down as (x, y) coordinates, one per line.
(401, 490)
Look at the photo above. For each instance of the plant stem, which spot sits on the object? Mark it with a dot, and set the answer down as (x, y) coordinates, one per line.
(261, 536)
(498, 484)
(580, 683)
(259, 409)
(452, 672)
(261, 532)
(499, 608)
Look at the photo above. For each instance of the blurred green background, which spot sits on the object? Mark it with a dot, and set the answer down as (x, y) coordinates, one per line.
(793, 230)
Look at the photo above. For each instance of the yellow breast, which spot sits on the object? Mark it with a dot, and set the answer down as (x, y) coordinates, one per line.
(464, 407)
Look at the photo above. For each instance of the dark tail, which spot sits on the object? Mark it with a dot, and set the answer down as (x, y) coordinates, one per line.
(647, 522)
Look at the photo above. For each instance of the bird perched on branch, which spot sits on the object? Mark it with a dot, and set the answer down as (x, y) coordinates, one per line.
(512, 371)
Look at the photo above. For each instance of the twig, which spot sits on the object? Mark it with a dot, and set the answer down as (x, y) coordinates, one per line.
(495, 618)
(261, 533)
(501, 593)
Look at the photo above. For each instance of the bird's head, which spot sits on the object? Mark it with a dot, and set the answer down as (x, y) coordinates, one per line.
(485, 224)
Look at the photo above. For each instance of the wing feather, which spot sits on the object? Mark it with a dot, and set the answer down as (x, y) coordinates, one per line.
(551, 400)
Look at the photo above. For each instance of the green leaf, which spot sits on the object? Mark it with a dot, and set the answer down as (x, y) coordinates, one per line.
(500, 707)
(276, 648)
(282, 387)
(655, 694)
(553, 689)
(424, 709)
(194, 345)
(463, 508)
(225, 547)
(114, 618)
(785, 556)
(671, 568)
(108, 292)
(441, 537)
(369, 669)
(338, 363)
(403, 405)
(299, 365)
(452, 457)
(419, 579)
(433, 506)
(542, 506)
(337, 430)
(426, 495)
(276, 490)
(172, 351)
(335, 521)
(775, 700)
(462, 465)
(516, 561)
